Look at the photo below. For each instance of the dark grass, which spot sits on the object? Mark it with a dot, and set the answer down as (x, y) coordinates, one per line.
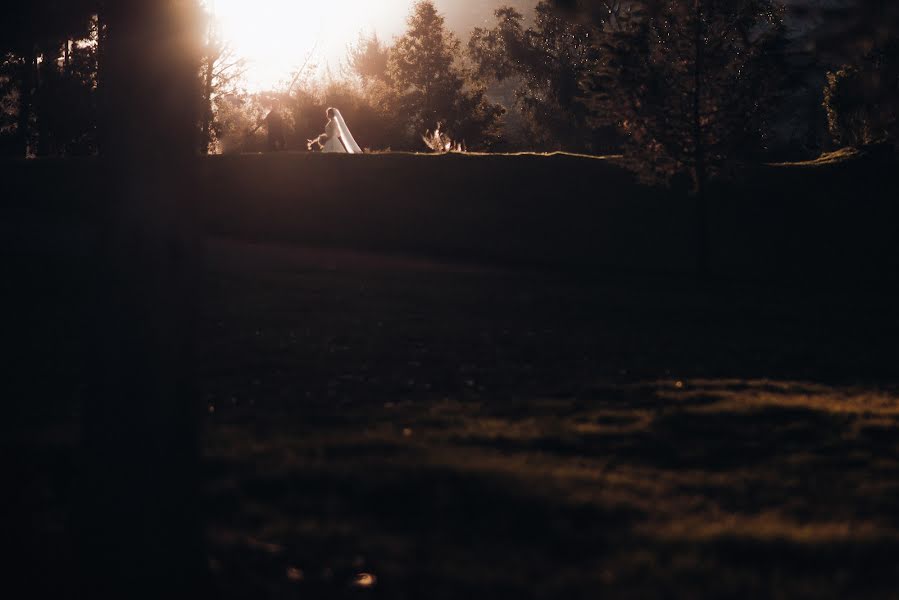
(486, 433)
(478, 432)
(466, 429)
(826, 220)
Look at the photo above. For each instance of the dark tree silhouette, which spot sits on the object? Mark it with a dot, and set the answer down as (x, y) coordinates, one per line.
(140, 530)
(547, 62)
(689, 84)
(858, 37)
(862, 99)
(35, 37)
(65, 99)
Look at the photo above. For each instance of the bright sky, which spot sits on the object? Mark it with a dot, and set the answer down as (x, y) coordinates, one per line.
(276, 35)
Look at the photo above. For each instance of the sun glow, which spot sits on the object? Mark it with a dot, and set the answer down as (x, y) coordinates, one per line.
(276, 36)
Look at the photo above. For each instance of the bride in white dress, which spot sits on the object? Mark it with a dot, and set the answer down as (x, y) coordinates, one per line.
(337, 136)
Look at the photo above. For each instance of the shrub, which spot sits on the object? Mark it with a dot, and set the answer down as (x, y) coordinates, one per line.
(862, 101)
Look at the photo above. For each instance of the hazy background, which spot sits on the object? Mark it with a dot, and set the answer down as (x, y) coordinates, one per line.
(275, 37)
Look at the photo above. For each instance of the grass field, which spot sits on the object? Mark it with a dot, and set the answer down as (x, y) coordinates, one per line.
(476, 433)
(402, 425)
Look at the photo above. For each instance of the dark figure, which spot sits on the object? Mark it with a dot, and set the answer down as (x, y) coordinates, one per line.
(275, 124)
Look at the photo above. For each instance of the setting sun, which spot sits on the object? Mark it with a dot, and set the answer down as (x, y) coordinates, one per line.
(275, 36)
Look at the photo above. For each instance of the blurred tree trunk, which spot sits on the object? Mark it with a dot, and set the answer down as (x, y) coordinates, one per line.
(140, 531)
(47, 76)
(23, 118)
(699, 151)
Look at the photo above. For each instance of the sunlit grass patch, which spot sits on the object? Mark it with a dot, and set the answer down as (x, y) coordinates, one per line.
(829, 158)
(768, 526)
(443, 461)
(863, 408)
(542, 437)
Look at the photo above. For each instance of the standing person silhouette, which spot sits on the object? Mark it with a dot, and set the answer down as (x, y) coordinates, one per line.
(274, 122)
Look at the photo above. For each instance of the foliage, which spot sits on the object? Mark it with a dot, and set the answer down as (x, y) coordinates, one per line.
(49, 77)
(862, 101)
(368, 59)
(396, 93)
(236, 126)
(427, 83)
(43, 23)
(371, 124)
(547, 63)
(9, 105)
(65, 103)
(221, 71)
(239, 116)
(690, 83)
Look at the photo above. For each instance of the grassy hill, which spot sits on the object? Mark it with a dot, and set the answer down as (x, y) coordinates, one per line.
(832, 217)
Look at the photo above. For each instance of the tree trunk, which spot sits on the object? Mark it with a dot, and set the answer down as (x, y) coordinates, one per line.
(23, 119)
(140, 529)
(47, 75)
(699, 158)
(101, 76)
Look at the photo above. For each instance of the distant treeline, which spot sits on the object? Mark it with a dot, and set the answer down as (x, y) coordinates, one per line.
(679, 87)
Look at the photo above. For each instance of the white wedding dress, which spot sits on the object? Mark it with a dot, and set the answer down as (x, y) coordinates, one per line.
(340, 140)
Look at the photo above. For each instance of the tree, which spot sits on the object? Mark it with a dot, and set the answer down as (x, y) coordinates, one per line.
(548, 63)
(35, 37)
(65, 99)
(428, 85)
(10, 144)
(236, 127)
(690, 84)
(368, 59)
(221, 71)
(862, 101)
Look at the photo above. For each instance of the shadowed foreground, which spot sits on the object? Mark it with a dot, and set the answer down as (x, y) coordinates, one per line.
(401, 428)
(829, 219)
(473, 433)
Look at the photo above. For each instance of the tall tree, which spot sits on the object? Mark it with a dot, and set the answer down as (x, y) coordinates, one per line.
(547, 62)
(34, 36)
(429, 85)
(65, 98)
(690, 84)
